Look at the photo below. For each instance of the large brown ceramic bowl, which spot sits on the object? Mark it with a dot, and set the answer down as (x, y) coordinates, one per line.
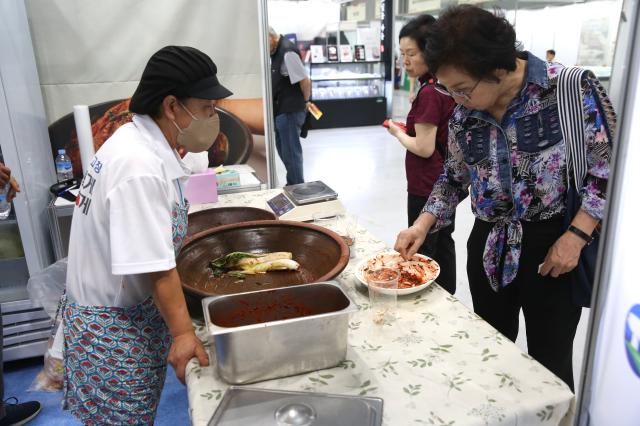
(321, 253)
(212, 218)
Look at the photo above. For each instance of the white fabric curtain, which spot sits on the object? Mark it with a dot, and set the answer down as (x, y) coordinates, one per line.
(90, 51)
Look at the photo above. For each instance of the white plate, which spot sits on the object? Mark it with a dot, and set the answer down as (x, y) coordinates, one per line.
(401, 291)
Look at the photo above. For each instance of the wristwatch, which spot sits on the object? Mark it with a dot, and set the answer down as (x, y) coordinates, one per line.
(588, 238)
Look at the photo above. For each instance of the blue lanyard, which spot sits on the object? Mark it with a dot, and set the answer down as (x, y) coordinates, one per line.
(180, 193)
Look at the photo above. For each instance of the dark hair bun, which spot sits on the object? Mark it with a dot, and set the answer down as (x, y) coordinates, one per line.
(416, 29)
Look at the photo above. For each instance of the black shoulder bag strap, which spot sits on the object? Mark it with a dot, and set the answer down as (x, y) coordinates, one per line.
(571, 115)
(572, 123)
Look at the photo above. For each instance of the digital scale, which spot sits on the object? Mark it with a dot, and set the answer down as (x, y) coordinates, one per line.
(299, 202)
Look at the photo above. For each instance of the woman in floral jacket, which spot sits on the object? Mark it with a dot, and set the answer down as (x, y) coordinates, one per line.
(506, 149)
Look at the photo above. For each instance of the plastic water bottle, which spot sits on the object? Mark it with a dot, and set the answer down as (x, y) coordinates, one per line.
(5, 206)
(64, 171)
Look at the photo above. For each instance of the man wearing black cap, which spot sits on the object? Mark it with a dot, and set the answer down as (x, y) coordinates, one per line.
(126, 314)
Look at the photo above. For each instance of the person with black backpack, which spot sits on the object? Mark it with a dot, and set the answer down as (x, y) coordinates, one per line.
(291, 87)
(426, 143)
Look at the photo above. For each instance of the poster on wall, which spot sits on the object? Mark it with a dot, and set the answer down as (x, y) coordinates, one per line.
(421, 6)
(106, 78)
(595, 44)
(372, 53)
(332, 53)
(357, 12)
(317, 53)
(346, 54)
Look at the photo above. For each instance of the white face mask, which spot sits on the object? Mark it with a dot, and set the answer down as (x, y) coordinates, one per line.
(200, 134)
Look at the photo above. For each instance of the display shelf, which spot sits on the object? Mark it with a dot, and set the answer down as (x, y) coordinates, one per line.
(347, 80)
(10, 242)
(26, 327)
(14, 280)
(345, 98)
(350, 92)
(360, 77)
(369, 111)
(345, 62)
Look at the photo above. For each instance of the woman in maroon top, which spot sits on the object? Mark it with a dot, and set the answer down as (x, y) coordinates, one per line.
(426, 144)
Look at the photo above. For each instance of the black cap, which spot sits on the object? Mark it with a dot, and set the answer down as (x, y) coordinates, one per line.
(181, 71)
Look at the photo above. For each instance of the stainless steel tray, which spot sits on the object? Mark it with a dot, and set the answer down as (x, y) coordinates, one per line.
(267, 334)
(242, 406)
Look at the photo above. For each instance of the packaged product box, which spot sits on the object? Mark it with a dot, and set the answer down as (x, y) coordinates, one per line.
(372, 53)
(317, 53)
(227, 178)
(332, 53)
(315, 111)
(346, 55)
(202, 188)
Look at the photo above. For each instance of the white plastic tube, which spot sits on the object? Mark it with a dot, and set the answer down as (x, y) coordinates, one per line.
(85, 136)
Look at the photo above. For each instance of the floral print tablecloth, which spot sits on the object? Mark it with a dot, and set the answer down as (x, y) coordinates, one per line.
(437, 364)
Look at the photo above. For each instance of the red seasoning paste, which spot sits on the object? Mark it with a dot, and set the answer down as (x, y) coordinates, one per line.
(382, 274)
(242, 312)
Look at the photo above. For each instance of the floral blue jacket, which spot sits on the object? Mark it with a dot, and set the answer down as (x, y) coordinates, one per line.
(516, 170)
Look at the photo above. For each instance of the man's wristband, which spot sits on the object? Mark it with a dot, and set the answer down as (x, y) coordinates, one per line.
(588, 238)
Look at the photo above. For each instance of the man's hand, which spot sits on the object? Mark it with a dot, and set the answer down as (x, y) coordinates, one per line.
(183, 348)
(5, 176)
(15, 188)
(563, 255)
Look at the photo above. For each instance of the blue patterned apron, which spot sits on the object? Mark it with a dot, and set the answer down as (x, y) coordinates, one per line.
(116, 358)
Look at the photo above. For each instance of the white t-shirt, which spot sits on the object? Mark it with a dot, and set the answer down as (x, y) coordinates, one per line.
(293, 68)
(121, 225)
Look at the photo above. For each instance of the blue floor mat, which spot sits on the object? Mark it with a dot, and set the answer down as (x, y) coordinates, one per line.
(18, 375)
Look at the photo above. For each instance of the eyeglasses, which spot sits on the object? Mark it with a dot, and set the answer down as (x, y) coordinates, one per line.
(213, 110)
(454, 93)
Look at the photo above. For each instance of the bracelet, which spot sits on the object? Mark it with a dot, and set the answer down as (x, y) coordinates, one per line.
(588, 238)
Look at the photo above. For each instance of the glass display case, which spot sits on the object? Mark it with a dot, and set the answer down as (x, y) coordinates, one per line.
(346, 80)
(13, 264)
(24, 242)
(25, 327)
(348, 75)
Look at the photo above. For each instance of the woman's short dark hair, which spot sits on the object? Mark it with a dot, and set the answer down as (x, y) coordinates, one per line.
(473, 40)
(416, 29)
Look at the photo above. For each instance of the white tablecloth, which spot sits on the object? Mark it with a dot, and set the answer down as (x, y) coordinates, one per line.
(438, 364)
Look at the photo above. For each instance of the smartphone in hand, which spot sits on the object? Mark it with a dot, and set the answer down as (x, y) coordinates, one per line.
(402, 126)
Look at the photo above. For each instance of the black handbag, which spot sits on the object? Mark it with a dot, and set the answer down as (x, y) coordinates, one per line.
(306, 126)
(583, 274)
(570, 112)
